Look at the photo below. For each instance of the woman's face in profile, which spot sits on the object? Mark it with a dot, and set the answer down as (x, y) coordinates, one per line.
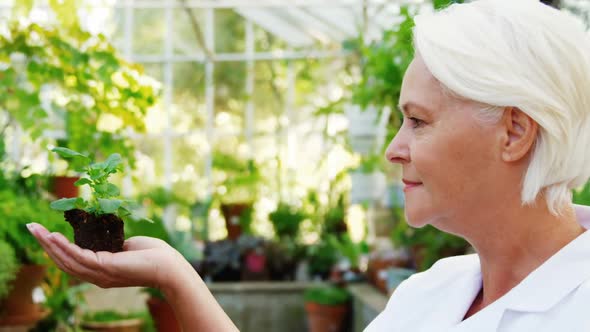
(448, 157)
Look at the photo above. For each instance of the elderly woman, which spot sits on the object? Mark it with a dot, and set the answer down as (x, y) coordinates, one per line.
(495, 136)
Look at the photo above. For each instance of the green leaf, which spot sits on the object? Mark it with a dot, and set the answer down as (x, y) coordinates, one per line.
(82, 182)
(109, 205)
(67, 153)
(112, 162)
(101, 189)
(112, 190)
(123, 211)
(64, 204)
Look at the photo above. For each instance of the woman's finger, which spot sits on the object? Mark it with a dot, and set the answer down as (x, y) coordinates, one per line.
(105, 268)
(142, 242)
(71, 266)
(87, 263)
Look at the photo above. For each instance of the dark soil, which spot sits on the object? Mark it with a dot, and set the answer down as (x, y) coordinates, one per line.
(96, 232)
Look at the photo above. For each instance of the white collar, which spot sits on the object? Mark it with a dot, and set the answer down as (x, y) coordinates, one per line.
(554, 279)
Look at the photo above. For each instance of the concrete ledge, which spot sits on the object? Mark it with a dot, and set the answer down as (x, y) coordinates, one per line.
(367, 303)
(264, 306)
(261, 286)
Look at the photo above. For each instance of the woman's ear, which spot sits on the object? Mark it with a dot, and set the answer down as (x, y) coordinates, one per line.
(519, 136)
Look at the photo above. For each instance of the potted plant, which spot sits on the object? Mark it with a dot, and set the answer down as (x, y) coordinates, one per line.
(286, 220)
(18, 307)
(222, 261)
(63, 296)
(327, 308)
(237, 192)
(283, 257)
(334, 222)
(321, 257)
(350, 254)
(161, 311)
(113, 321)
(97, 223)
(253, 258)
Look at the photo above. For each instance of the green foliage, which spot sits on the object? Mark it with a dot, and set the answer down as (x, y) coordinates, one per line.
(103, 199)
(371, 163)
(321, 257)
(383, 64)
(107, 316)
(241, 178)
(8, 268)
(17, 210)
(327, 295)
(110, 316)
(348, 249)
(62, 300)
(439, 4)
(429, 243)
(334, 217)
(154, 293)
(286, 220)
(582, 195)
(88, 82)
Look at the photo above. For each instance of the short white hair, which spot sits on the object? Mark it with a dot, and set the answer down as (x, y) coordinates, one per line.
(520, 53)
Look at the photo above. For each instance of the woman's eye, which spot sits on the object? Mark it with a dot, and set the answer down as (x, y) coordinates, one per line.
(416, 123)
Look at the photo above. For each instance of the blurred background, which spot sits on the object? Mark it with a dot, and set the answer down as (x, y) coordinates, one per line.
(252, 135)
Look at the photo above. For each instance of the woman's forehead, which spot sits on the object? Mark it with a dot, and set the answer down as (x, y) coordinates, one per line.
(420, 86)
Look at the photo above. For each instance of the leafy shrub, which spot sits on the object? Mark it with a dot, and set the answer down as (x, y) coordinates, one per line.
(327, 295)
(8, 268)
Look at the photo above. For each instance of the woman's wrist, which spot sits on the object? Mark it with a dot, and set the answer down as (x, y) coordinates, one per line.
(195, 307)
(175, 275)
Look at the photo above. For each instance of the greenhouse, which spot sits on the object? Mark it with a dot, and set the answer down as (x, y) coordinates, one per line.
(248, 137)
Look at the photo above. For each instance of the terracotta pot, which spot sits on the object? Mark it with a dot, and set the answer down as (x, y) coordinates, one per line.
(232, 214)
(63, 186)
(163, 315)
(18, 308)
(124, 325)
(326, 318)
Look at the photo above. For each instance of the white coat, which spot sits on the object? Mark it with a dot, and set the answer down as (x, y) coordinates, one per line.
(553, 298)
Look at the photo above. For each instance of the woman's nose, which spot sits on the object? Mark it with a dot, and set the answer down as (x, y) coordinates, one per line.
(398, 151)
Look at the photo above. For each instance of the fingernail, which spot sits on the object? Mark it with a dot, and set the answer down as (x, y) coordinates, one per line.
(31, 226)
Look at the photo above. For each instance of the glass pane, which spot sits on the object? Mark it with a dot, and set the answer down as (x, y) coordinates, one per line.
(230, 99)
(189, 106)
(155, 70)
(189, 153)
(269, 95)
(186, 29)
(149, 167)
(148, 31)
(264, 41)
(156, 118)
(229, 31)
(116, 28)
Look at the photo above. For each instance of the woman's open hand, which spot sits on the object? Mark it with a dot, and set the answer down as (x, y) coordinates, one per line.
(144, 261)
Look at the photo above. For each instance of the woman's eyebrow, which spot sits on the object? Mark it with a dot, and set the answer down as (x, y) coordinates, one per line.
(404, 107)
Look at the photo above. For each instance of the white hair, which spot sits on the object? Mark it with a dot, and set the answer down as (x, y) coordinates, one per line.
(520, 53)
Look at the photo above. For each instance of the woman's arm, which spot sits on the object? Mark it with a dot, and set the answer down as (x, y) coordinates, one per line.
(146, 262)
(193, 303)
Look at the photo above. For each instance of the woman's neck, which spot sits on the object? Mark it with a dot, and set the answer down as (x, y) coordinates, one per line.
(519, 242)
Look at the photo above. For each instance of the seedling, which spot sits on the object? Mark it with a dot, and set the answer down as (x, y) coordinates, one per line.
(97, 222)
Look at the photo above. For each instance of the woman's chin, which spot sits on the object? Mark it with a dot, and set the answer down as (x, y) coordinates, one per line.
(416, 222)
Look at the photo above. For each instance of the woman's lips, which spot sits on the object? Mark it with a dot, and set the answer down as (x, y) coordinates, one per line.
(410, 184)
